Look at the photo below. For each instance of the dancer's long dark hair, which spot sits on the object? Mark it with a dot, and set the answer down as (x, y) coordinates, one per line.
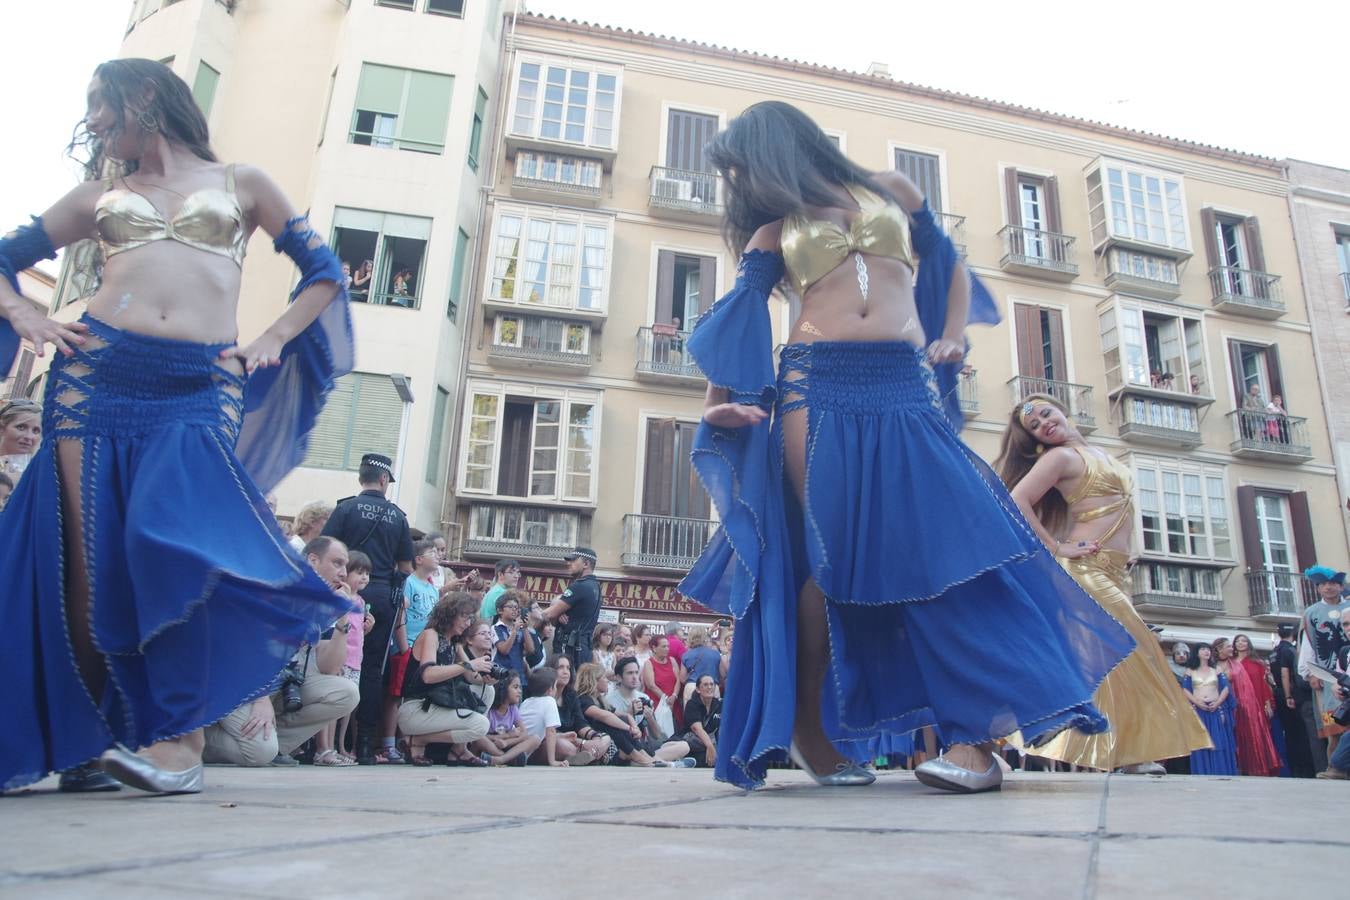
(776, 161)
(1016, 456)
(125, 83)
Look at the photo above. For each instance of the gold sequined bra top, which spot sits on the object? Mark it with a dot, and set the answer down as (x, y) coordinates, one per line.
(1104, 477)
(812, 248)
(210, 219)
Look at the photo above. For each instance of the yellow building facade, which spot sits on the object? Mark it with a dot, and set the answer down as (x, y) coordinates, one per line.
(1150, 283)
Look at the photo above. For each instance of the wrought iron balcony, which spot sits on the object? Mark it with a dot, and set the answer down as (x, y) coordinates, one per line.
(1031, 251)
(968, 392)
(500, 530)
(664, 542)
(1247, 292)
(1147, 418)
(1278, 595)
(663, 355)
(1271, 436)
(547, 176)
(683, 194)
(1177, 589)
(535, 356)
(955, 226)
(1077, 398)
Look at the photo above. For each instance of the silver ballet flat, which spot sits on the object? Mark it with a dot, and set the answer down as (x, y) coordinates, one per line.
(939, 773)
(137, 772)
(845, 774)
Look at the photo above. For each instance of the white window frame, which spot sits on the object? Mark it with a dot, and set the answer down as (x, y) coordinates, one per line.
(570, 516)
(569, 64)
(1128, 311)
(842, 138)
(528, 214)
(520, 330)
(568, 398)
(1105, 165)
(380, 274)
(1210, 494)
(541, 158)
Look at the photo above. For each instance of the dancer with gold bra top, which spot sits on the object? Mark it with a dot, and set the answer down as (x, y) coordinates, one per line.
(148, 588)
(1067, 487)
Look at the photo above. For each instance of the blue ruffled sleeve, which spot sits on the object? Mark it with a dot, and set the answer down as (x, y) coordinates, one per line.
(733, 346)
(282, 403)
(18, 250)
(937, 264)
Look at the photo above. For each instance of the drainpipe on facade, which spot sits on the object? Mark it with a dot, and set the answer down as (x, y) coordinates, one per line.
(469, 311)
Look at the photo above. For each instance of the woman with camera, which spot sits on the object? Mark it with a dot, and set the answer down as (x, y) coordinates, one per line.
(440, 705)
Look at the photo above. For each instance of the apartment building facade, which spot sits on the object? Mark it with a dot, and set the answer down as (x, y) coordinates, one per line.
(1150, 283)
(370, 114)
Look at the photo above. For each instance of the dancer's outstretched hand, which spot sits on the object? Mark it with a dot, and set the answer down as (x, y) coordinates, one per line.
(39, 330)
(264, 352)
(945, 350)
(733, 415)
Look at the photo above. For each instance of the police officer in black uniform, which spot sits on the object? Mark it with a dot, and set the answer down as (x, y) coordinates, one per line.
(580, 603)
(372, 524)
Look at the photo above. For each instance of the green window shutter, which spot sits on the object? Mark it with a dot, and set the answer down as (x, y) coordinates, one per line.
(376, 417)
(457, 274)
(381, 89)
(437, 432)
(476, 128)
(328, 440)
(204, 88)
(426, 113)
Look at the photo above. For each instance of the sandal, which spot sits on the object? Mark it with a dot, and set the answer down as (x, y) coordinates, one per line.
(416, 759)
(474, 762)
(332, 759)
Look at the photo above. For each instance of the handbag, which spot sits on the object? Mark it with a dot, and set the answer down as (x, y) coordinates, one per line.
(453, 694)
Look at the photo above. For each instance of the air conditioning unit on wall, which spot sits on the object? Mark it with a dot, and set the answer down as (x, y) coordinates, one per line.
(673, 188)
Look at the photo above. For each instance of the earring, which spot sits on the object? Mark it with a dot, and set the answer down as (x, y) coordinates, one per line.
(147, 121)
(1040, 448)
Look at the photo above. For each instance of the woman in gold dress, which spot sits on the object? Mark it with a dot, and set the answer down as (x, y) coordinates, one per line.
(1069, 489)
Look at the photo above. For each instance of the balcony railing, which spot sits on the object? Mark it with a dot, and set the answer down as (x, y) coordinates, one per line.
(1152, 420)
(576, 178)
(522, 532)
(663, 355)
(1272, 436)
(1145, 274)
(683, 191)
(1077, 398)
(1177, 588)
(664, 542)
(387, 298)
(955, 227)
(1278, 595)
(1037, 252)
(539, 355)
(1247, 291)
(968, 392)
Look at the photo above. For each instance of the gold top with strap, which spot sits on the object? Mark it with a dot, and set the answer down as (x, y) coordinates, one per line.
(210, 219)
(1104, 476)
(812, 248)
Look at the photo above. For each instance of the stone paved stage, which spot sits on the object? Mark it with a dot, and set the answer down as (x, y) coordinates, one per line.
(511, 833)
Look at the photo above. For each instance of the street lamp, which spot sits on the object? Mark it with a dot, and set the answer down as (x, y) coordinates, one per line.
(403, 386)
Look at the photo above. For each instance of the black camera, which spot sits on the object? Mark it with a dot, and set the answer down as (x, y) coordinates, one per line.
(292, 679)
(499, 673)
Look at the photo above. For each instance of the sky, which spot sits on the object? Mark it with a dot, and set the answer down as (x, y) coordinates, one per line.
(1256, 77)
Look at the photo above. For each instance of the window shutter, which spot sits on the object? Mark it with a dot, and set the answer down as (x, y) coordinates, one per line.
(1252, 232)
(428, 110)
(665, 287)
(707, 284)
(1209, 225)
(1055, 321)
(1305, 547)
(1014, 191)
(693, 501)
(687, 135)
(658, 473)
(1251, 532)
(1273, 368)
(328, 440)
(381, 89)
(22, 374)
(376, 417)
(1053, 222)
(1028, 324)
(513, 474)
(437, 435)
(922, 169)
(1235, 363)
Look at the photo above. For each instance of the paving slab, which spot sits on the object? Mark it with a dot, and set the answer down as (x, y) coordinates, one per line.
(370, 832)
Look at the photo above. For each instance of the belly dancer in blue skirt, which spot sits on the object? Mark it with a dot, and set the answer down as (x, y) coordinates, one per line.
(881, 576)
(147, 589)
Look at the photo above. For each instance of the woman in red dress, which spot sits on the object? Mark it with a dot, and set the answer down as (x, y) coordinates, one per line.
(1255, 749)
(663, 678)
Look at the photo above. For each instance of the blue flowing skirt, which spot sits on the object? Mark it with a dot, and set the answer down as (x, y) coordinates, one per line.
(1222, 759)
(943, 607)
(196, 599)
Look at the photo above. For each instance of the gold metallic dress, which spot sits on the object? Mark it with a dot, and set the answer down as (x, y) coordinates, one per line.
(1151, 719)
